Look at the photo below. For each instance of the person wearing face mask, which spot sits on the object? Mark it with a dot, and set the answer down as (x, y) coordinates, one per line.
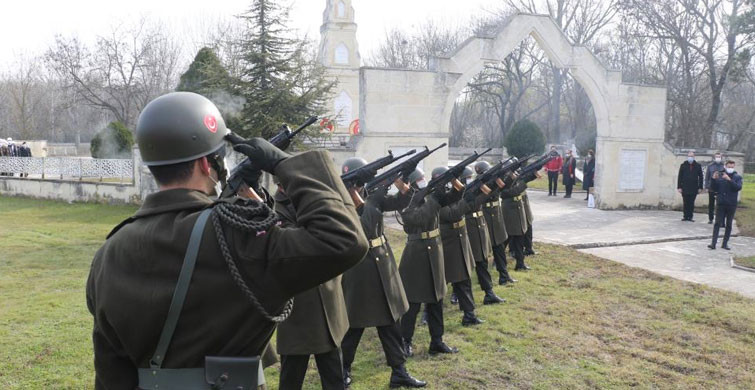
(716, 165)
(689, 184)
(188, 292)
(570, 165)
(422, 265)
(588, 172)
(727, 185)
(374, 292)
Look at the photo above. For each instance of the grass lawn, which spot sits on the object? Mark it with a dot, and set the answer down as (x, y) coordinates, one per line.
(746, 212)
(575, 321)
(748, 262)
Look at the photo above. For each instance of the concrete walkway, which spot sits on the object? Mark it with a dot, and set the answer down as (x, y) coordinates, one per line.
(654, 240)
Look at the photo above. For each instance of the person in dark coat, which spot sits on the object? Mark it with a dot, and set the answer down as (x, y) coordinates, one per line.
(727, 186)
(497, 229)
(689, 184)
(316, 325)
(373, 289)
(422, 265)
(568, 169)
(457, 253)
(716, 165)
(588, 173)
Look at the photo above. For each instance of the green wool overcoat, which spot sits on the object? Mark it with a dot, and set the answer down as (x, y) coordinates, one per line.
(373, 289)
(319, 321)
(514, 215)
(422, 266)
(457, 251)
(133, 275)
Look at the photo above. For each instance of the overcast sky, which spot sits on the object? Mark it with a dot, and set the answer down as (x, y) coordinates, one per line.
(29, 26)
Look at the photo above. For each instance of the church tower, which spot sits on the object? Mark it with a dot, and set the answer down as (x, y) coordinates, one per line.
(339, 53)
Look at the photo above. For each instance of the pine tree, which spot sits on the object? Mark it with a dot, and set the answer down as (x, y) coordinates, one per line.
(281, 80)
(208, 77)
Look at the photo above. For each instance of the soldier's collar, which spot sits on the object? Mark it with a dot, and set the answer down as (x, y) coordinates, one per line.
(173, 200)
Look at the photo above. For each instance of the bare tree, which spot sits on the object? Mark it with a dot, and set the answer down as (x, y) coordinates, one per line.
(582, 21)
(122, 71)
(404, 50)
(710, 37)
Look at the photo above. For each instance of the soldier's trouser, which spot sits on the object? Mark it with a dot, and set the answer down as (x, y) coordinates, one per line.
(390, 338)
(483, 276)
(569, 188)
(552, 182)
(294, 368)
(499, 257)
(711, 205)
(434, 321)
(724, 218)
(528, 238)
(463, 291)
(516, 247)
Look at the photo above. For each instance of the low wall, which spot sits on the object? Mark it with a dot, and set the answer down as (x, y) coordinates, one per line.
(70, 191)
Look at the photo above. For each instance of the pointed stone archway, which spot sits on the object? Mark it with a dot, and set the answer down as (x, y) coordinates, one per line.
(401, 108)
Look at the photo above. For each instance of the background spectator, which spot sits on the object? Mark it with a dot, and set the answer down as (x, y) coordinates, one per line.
(689, 184)
(570, 164)
(727, 185)
(588, 171)
(553, 167)
(716, 165)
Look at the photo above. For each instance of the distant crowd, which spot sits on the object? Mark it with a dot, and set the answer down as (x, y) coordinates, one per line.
(8, 148)
(567, 166)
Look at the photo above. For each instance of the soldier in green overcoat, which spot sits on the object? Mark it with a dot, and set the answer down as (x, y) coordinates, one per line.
(515, 218)
(316, 325)
(373, 289)
(422, 266)
(246, 267)
(497, 229)
(457, 253)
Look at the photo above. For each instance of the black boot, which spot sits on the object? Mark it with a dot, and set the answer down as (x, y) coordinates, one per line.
(347, 376)
(502, 280)
(401, 378)
(437, 347)
(470, 319)
(454, 299)
(491, 298)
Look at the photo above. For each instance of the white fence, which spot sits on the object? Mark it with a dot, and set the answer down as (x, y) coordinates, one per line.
(68, 168)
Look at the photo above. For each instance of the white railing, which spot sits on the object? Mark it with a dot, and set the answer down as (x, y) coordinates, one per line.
(68, 168)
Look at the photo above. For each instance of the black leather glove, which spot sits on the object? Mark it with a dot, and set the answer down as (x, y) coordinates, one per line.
(442, 198)
(262, 154)
(454, 196)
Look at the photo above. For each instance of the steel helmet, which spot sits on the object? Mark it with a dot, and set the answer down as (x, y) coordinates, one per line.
(179, 127)
(416, 176)
(468, 172)
(481, 167)
(352, 163)
(438, 171)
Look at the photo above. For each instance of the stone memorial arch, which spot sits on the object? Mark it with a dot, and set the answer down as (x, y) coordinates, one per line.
(401, 109)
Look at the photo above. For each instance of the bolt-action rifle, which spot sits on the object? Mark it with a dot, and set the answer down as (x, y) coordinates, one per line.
(282, 141)
(356, 178)
(402, 170)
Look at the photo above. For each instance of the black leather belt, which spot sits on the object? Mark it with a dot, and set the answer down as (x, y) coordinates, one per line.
(424, 235)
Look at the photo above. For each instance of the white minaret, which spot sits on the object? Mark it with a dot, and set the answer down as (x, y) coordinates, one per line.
(339, 53)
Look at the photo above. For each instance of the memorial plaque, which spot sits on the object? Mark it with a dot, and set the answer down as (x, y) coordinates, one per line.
(632, 170)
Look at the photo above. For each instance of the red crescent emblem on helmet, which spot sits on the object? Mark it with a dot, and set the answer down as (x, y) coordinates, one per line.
(211, 123)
